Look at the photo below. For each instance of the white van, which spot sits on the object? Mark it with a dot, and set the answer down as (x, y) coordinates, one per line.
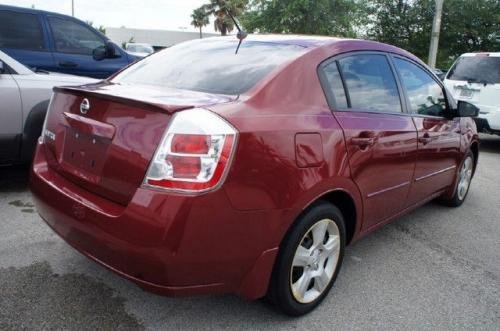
(475, 78)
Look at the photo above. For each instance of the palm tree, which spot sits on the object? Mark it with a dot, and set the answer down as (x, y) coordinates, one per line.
(219, 8)
(200, 19)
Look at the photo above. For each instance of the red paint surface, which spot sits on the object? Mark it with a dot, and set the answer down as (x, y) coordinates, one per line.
(226, 240)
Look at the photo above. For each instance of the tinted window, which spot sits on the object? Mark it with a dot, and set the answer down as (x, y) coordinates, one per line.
(71, 37)
(20, 31)
(210, 65)
(370, 83)
(426, 96)
(332, 75)
(482, 69)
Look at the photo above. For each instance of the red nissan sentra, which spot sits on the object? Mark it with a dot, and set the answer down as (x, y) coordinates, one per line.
(198, 170)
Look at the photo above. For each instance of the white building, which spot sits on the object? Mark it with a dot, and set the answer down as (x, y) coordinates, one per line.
(156, 38)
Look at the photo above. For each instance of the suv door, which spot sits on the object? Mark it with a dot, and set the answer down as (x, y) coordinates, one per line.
(11, 114)
(381, 138)
(438, 133)
(23, 38)
(73, 44)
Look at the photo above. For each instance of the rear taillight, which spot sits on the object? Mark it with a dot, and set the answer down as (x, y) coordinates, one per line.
(194, 153)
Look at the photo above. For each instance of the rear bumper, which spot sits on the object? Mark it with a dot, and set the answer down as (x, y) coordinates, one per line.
(488, 123)
(489, 119)
(168, 244)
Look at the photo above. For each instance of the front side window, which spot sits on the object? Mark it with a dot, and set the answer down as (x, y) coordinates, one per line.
(73, 38)
(425, 95)
(20, 31)
(210, 65)
(370, 83)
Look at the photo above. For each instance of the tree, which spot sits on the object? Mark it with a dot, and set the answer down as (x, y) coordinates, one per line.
(324, 17)
(101, 28)
(220, 8)
(467, 26)
(200, 19)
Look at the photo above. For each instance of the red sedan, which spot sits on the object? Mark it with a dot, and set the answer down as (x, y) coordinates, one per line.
(198, 170)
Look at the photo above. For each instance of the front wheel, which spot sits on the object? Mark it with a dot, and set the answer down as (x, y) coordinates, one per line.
(309, 260)
(463, 181)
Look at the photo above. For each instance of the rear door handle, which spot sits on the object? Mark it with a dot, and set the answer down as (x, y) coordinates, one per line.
(363, 142)
(68, 64)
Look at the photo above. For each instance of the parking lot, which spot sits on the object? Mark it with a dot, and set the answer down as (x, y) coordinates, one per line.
(436, 268)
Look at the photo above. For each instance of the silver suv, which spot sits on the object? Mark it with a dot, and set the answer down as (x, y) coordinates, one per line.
(24, 97)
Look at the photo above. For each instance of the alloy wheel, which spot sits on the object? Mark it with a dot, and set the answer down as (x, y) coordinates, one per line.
(315, 261)
(465, 178)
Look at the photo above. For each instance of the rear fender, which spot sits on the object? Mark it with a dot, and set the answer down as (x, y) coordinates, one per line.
(32, 130)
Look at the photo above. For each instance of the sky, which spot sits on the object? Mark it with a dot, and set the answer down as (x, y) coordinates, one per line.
(142, 14)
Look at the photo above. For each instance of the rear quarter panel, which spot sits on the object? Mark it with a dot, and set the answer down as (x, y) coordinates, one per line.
(265, 173)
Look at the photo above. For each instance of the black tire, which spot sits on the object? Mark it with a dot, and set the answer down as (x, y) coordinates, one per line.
(457, 200)
(280, 291)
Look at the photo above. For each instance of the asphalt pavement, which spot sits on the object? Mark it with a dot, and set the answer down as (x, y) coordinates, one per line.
(436, 268)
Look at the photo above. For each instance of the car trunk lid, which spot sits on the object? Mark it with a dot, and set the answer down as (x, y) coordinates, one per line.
(102, 137)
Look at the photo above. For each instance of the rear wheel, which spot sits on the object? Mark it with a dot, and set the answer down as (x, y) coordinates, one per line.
(463, 181)
(309, 260)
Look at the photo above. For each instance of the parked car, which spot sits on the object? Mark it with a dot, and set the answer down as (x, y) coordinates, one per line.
(475, 78)
(24, 96)
(440, 73)
(58, 43)
(139, 50)
(198, 170)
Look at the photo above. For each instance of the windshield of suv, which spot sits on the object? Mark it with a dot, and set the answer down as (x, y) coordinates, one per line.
(210, 65)
(481, 69)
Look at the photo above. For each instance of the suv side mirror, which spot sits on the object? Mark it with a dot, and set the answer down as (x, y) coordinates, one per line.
(106, 51)
(466, 109)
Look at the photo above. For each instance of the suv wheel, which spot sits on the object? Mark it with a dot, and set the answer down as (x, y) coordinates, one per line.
(309, 260)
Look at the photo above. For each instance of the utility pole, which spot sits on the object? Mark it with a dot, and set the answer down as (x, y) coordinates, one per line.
(73, 8)
(436, 27)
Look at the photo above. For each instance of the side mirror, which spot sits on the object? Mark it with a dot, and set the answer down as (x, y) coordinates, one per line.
(110, 50)
(99, 53)
(106, 51)
(466, 109)
(2, 67)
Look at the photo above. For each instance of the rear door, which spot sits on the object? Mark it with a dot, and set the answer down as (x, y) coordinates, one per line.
(73, 44)
(438, 133)
(23, 37)
(381, 138)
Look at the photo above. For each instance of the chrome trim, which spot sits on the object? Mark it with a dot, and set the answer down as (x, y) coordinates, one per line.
(435, 173)
(387, 189)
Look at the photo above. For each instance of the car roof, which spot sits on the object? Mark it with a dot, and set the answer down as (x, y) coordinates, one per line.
(290, 39)
(493, 54)
(312, 42)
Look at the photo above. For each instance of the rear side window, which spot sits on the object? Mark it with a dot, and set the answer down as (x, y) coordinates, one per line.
(210, 65)
(20, 31)
(370, 83)
(479, 69)
(425, 95)
(71, 37)
(335, 86)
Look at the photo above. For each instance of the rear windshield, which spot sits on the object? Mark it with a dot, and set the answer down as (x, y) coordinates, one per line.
(210, 65)
(482, 69)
